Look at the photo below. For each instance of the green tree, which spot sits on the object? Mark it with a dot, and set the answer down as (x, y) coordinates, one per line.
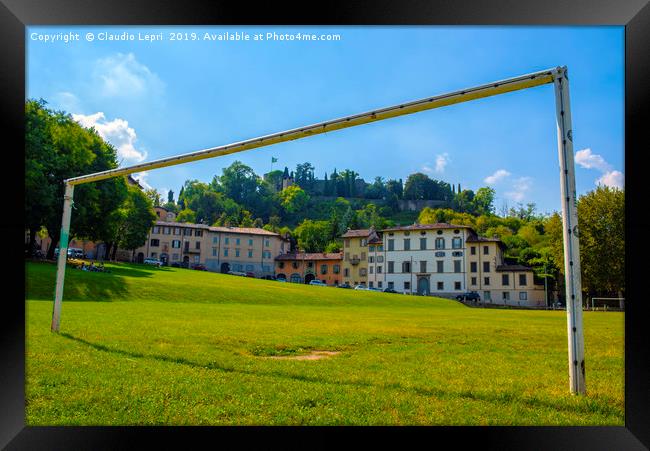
(170, 197)
(154, 196)
(483, 202)
(293, 199)
(312, 235)
(186, 215)
(133, 220)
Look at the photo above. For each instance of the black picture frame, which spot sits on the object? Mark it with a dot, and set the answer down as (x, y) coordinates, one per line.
(15, 15)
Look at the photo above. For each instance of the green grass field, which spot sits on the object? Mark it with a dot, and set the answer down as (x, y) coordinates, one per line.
(146, 346)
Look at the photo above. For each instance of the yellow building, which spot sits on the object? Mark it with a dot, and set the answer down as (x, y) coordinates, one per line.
(355, 255)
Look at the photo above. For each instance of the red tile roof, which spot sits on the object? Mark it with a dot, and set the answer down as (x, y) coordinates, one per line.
(311, 256)
(438, 225)
(359, 233)
(242, 230)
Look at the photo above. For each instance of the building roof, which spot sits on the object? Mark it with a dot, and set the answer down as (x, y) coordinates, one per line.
(438, 225)
(376, 240)
(242, 230)
(311, 256)
(359, 233)
(502, 268)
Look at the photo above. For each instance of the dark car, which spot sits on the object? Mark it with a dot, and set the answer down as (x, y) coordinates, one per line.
(389, 290)
(199, 267)
(268, 277)
(180, 265)
(345, 285)
(250, 274)
(469, 296)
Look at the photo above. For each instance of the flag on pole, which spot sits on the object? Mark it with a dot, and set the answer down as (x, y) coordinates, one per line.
(274, 160)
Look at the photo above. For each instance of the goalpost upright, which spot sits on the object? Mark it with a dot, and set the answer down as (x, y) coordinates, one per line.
(557, 76)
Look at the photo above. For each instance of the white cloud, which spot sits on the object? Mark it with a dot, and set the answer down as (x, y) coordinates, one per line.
(426, 167)
(441, 162)
(117, 132)
(613, 179)
(122, 75)
(496, 177)
(141, 177)
(66, 101)
(520, 188)
(589, 160)
(586, 159)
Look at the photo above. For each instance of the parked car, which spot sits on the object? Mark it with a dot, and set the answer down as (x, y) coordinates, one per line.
(317, 282)
(469, 296)
(360, 287)
(250, 274)
(280, 279)
(390, 290)
(375, 289)
(237, 273)
(268, 277)
(180, 265)
(153, 261)
(345, 285)
(199, 267)
(75, 252)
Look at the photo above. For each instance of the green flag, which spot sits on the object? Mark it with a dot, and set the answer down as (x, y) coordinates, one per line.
(274, 160)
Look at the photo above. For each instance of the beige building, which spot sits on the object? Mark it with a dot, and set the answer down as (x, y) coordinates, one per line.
(220, 249)
(497, 282)
(355, 255)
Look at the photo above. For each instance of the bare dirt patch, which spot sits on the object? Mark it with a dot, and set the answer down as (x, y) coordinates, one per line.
(313, 355)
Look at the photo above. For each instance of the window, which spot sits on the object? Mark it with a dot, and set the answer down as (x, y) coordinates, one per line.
(456, 231)
(364, 242)
(237, 241)
(155, 243)
(505, 279)
(391, 285)
(380, 259)
(486, 250)
(249, 267)
(214, 251)
(407, 285)
(391, 267)
(441, 285)
(346, 272)
(250, 253)
(156, 229)
(440, 254)
(198, 233)
(506, 296)
(457, 243)
(167, 231)
(323, 269)
(486, 281)
(346, 242)
(336, 269)
(237, 267)
(362, 271)
(456, 285)
(457, 254)
(487, 296)
(347, 256)
(177, 230)
(391, 245)
(280, 265)
(176, 244)
(523, 296)
(371, 259)
(486, 266)
(266, 268)
(175, 257)
(439, 232)
(440, 243)
(370, 270)
(407, 233)
(522, 279)
(250, 242)
(423, 244)
(236, 252)
(215, 240)
(153, 255)
(473, 280)
(267, 243)
(380, 284)
(423, 266)
(440, 266)
(363, 256)
(370, 284)
(187, 232)
(310, 264)
(456, 265)
(197, 245)
(294, 265)
(406, 267)
(225, 252)
(407, 244)
(380, 248)
(473, 267)
(371, 249)
(197, 259)
(227, 240)
(378, 269)
(473, 250)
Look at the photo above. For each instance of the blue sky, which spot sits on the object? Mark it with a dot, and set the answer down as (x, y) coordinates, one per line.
(153, 99)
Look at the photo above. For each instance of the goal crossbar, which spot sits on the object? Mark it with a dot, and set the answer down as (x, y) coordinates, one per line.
(557, 76)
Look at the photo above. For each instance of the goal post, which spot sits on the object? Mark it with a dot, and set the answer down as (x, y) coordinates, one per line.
(556, 76)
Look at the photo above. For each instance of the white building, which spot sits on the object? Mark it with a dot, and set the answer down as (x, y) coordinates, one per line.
(427, 259)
